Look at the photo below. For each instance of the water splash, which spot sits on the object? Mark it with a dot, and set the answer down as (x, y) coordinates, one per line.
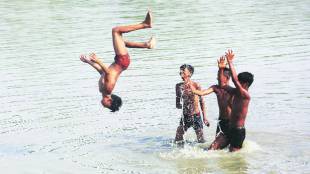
(197, 151)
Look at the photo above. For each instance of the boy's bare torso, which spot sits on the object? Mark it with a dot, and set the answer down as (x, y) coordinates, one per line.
(190, 100)
(108, 81)
(240, 107)
(224, 100)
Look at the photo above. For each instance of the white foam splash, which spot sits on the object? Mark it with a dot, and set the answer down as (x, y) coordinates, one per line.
(250, 147)
(197, 151)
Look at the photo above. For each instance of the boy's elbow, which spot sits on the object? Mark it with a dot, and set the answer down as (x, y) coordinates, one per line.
(115, 30)
(178, 106)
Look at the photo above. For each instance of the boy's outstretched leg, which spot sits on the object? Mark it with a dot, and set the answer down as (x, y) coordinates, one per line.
(149, 44)
(119, 43)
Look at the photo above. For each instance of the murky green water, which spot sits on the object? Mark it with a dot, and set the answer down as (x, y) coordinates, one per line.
(51, 120)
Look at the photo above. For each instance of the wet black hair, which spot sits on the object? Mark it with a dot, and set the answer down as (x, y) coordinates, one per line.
(116, 103)
(246, 77)
(189, 67)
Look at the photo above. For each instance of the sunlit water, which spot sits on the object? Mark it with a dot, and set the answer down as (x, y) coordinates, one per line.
(51, 120)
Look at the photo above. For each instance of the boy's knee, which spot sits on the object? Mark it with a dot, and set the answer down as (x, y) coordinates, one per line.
(115, 30)
(214, 146)
(233, 149)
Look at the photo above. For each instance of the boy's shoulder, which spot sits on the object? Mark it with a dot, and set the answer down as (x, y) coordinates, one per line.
(194, 83)
(229, 89)
(215, 86)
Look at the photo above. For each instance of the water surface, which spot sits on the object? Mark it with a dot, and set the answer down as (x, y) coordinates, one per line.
(51, 120)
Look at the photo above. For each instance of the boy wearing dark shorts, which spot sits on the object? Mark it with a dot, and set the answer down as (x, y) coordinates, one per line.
(240, 104)
(191, 102)
(224, 100)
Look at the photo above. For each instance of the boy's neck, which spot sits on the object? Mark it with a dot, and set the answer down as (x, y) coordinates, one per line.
(186, 80)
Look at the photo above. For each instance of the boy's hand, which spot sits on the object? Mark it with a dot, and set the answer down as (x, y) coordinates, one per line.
(206, 122)
(93, 57)
(229, 55)
(221, 62)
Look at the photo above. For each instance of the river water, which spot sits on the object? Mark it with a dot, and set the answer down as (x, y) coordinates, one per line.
(51, 119)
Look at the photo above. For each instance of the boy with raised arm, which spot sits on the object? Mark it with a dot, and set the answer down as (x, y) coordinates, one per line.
(224, 100)
(191, 102)
(240, 104)
(110, 74)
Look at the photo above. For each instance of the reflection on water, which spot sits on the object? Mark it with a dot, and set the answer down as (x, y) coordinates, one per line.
(50, 105)
(224, 165)
(234, 164)
(198, 166)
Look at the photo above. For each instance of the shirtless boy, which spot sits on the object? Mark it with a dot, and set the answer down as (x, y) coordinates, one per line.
(224, 100)
(191, 113)
(240, 104)
(109, 75)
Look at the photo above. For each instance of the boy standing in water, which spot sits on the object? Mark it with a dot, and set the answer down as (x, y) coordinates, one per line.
(191, 113)
(224, 100)
(240, 104)
(109, 75)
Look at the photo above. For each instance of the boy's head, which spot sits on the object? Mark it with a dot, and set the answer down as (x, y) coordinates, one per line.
(227, 73)
(113, 102)
(246, 78)
(223, 80)
(186, 71)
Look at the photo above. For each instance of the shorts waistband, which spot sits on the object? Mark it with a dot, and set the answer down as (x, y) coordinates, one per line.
(240, 127)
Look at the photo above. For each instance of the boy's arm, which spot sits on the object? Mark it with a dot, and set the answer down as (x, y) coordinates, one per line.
(94, 58)
(202, 92)
(221, 64)
(178, 96)
(230, 56)
(203, 108)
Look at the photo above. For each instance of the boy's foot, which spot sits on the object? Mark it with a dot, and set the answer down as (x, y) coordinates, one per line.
(180, 144)
(201, 141)
(148, 19)
(151, 43)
